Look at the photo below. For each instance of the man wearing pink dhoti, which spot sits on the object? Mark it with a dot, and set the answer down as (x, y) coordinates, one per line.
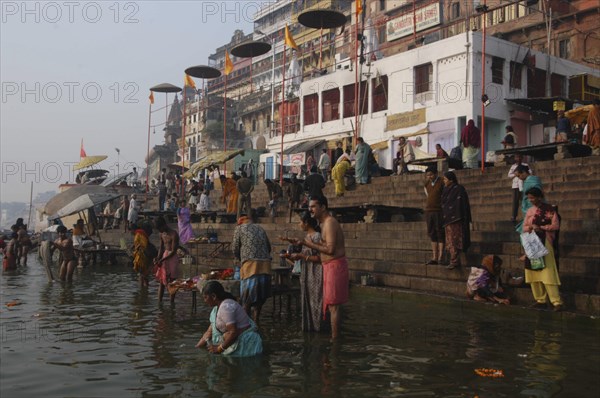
(333, 257)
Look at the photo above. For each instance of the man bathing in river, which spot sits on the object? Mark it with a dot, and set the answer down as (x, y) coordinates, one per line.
(333, 257)
(167, 260)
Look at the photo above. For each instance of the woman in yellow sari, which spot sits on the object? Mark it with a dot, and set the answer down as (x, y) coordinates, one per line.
(143, 253)
(230, 194)
(337, 174)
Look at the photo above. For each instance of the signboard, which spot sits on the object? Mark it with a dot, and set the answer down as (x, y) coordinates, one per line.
(426, 17)
(294, 159)
(406, 119)
(558, 106)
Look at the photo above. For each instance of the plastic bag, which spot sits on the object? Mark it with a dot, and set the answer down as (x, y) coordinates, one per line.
(534, 248)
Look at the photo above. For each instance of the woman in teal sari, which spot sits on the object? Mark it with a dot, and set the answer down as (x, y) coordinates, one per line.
(361, 169)
(231, 331)
(529, 181)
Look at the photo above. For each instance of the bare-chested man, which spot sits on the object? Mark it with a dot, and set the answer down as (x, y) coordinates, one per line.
(167, 259)
(65, 245)
(333, 258)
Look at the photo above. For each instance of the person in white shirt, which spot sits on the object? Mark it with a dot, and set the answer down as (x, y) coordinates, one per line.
(324, 164)
(517, 185)
(132, 215)
(133, 178)
(203, 206)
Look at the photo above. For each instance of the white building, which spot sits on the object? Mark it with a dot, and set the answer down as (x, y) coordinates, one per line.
(430, 92)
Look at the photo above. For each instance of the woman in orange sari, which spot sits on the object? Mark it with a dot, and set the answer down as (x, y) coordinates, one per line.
(230, 194)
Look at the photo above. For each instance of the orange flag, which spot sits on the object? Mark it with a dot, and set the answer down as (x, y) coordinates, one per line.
(289, 40)
(359, 7)
(228, 64)
(188, 81)
(151, 97)
(82, 153)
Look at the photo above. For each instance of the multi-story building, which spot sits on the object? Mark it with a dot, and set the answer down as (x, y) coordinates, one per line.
(430, 92)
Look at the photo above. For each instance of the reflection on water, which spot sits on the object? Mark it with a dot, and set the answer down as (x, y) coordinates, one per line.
(101, 336)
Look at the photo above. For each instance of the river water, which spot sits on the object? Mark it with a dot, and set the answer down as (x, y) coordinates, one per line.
(101, 337)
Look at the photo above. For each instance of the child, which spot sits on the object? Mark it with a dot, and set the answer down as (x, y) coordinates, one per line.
(483, 283)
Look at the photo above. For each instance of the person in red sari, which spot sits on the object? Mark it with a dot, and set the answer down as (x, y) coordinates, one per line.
(470, 137)
(542, 218)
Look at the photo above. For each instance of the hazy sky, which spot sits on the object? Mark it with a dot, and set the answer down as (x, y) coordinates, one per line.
(73, 70)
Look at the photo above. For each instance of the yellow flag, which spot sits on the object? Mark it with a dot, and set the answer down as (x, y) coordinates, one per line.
(289, 40)
(189, 81)
(151, 97)
(228, 64)
(359, 7)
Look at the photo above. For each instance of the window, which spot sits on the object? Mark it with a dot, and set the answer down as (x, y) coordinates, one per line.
(497, 70)
(564, 48)
(382, 5)
(382, 33)
(380, 93)
(515, 75)
(423, 78)
(311, 109)
(253, 125)
(558, 84)
(536, 83)
(331, 104)
(455, 11)
(349, 103)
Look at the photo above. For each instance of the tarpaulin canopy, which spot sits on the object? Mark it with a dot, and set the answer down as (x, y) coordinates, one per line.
(578, 115)
(84, 202)
(115, 180)
(302, 147)
(81, 197)
(186, 164)
(89, 161)
(218, 157)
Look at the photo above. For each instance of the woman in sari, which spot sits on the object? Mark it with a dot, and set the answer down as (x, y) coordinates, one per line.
(337, 175)
(311, 277)
(143, 253)
(542, 219)
(184, 225)
(456, 212)
(362, 161)
(231, 331)
(230, 194)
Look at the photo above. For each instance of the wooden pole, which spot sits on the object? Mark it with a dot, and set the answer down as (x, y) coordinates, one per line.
(484, 18)
(148, 149)
(282, 116)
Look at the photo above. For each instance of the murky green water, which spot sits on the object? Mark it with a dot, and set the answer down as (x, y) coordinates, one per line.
(101, 337)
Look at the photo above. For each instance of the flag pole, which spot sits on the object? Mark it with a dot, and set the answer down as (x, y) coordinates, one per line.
(282, 115)
(225, 123)
(183, 147)
(356, 91)
(148, 150)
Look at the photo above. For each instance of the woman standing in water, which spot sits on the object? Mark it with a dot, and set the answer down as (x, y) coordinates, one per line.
(311, 277)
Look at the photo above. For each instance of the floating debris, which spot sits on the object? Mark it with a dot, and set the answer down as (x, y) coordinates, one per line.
(488, 372)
